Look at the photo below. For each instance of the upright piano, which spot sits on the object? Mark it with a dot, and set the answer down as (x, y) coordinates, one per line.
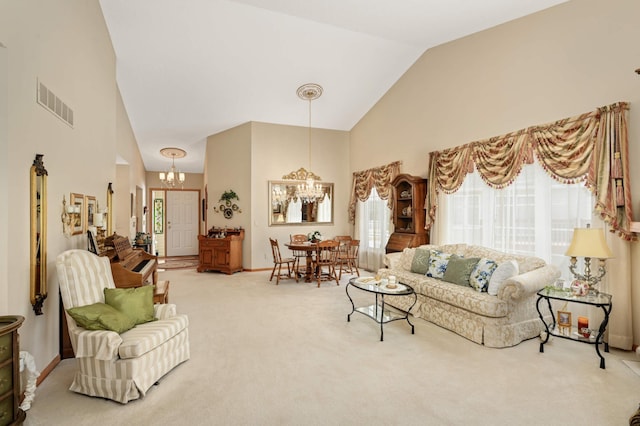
(131, 267)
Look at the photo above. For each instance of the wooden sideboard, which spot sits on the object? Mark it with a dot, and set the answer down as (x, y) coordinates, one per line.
(10, 412)
(221, 254)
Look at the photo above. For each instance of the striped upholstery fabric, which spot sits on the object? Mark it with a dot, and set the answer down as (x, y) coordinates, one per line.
(144, 337)
(118, 367)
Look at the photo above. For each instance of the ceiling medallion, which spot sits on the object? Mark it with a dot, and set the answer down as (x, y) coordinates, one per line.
(309, 91)
(173, 153)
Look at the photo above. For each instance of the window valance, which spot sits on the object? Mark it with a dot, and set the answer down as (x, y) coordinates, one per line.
(378, 177)
(591, 147)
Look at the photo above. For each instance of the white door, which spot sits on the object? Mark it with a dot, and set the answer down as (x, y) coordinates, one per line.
(182, 223)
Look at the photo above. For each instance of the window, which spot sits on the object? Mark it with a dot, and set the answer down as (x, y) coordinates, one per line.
(535, 215)
(373, 225)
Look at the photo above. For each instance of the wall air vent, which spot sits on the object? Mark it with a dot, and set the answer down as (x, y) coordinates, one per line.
(54, 104)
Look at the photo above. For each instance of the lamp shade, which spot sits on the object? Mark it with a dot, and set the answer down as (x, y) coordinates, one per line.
(589, 242)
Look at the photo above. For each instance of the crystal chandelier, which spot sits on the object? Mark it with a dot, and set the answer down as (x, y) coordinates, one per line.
(309, 192)
(173, 177)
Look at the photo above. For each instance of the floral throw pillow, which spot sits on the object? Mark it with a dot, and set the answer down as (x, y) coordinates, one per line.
(481, 274)
(438, 262)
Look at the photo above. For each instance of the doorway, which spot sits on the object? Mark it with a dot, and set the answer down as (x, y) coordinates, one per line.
(175, 222)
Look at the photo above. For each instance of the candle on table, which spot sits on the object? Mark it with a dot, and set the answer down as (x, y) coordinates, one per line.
(583, 323)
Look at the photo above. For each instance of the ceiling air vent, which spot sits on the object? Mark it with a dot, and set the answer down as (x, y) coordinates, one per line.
(50, 101)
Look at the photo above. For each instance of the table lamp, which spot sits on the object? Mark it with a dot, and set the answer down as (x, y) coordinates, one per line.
(588, 243)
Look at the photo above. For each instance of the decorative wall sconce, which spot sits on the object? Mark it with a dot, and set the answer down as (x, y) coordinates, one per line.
(66, 217)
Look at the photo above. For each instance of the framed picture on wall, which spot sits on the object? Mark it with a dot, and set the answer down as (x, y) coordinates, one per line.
(90, 209)
(158, 216)
(77, 216)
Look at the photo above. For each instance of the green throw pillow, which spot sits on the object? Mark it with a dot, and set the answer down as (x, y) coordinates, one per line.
(420, 262)
(136, 302)
(459, 270)
(101, 316)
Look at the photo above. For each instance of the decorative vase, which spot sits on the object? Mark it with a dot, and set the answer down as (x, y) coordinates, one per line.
(579, 288)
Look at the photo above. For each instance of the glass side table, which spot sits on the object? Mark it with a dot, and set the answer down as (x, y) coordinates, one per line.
(600, 300)
(379, 311)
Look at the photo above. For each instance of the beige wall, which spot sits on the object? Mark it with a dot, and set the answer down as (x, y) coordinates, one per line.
(246, 157)
(65, 45)
(560, 62)
(277, 151)
(4, 181)
(228, 167)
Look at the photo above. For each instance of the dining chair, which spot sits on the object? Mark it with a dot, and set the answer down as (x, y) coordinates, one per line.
(278, 261)
(299, 255)
(300, 265)
(348, 259)
(298, 238)
(324, 263)
(342, 239)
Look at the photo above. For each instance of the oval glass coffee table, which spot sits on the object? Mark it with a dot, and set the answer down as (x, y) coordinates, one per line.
(379, 312)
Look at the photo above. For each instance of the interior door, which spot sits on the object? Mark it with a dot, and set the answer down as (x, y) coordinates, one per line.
(182, 223)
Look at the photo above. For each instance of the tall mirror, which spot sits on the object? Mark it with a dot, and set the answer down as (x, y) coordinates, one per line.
(38, 266)
(286, 208)
(109, 209)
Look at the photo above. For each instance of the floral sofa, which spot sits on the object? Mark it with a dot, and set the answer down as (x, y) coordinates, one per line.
(482, 294)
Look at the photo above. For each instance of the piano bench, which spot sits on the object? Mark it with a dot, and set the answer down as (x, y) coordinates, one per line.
(161, 292)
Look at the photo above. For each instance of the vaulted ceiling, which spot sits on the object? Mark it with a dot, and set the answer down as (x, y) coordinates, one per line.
(192, 68)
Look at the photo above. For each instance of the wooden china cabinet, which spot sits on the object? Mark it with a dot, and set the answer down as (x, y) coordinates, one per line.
(409, 193)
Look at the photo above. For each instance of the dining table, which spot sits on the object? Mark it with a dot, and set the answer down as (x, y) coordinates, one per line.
(309, 248)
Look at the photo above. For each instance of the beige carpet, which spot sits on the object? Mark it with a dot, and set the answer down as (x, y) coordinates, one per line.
(263, 354)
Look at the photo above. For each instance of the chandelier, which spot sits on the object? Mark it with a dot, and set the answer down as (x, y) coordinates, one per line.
(172, 177)
(309, 191)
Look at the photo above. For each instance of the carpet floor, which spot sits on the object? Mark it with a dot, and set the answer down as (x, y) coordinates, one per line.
(263, 354)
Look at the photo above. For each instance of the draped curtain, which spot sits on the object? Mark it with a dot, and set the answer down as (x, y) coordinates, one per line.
(379, 178)
(591, 147)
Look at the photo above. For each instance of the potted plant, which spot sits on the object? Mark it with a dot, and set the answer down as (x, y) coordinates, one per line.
(141, 237)
(314, 236)
(229, 196)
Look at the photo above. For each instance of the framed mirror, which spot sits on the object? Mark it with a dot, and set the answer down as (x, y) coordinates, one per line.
(38, 243)
(109, 212)
(286, 208)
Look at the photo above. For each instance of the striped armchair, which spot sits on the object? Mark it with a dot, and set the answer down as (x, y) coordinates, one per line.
(120, 367)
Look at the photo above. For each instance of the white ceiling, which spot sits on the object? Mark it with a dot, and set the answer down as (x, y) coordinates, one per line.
(192, 68)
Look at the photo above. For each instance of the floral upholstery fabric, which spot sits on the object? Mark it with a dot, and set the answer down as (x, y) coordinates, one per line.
(495, 321)
(525, 263)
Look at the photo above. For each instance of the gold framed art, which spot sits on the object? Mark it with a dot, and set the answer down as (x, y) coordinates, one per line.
(77, 213)
(89, 210)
